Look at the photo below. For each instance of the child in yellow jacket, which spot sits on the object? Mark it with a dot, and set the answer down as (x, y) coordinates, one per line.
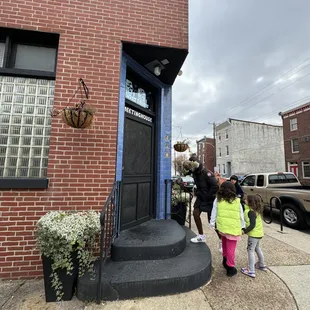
(255, 230)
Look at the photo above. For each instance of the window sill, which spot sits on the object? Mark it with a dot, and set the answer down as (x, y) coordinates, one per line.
(28, 183)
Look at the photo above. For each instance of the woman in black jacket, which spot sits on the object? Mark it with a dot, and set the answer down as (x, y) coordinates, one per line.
(240, 193)
(207, 187)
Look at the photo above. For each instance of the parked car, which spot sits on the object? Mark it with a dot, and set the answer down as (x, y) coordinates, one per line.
(174, 178)
(186, 182)
(294, 197)
(240, 177)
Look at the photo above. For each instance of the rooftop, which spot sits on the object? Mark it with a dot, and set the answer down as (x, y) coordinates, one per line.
(301, 108)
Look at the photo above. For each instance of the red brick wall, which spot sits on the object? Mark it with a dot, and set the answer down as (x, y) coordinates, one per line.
(208, 152)
(304, 146)
(82, 162)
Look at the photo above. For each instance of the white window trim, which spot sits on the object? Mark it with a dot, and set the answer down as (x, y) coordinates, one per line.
(303, 170)
(293, 124)
(294, 152)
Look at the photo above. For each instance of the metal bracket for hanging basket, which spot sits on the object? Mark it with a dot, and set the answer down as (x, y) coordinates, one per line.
(180, 147)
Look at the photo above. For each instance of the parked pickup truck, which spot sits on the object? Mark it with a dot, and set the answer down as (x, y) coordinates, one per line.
(295, 198)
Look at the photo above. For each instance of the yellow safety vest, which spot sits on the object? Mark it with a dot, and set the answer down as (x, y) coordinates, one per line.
(228, 219)
(258, 230)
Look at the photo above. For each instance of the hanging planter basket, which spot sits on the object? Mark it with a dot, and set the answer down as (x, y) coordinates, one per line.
(81, 115)
(180, 146)
(77, 118)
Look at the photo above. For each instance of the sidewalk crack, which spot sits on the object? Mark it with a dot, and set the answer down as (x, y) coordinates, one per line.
(13, 293)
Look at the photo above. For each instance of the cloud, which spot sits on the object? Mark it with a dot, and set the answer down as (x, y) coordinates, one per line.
(247, 60)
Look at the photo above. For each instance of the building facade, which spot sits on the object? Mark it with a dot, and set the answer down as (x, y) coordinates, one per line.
(244, 147)
(128, 53)
(206, 152)
(296, 131)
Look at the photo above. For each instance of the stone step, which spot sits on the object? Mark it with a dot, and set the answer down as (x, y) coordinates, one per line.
(154, 239)
(143, 278)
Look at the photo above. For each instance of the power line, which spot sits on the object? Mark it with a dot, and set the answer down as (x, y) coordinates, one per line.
(292, 104)
(254, 95)
(279, 90)
(272, 83)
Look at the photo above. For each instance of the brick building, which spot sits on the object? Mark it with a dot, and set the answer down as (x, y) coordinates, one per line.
(206, 152)
(128, 53)
(244, 147)
(296, 132)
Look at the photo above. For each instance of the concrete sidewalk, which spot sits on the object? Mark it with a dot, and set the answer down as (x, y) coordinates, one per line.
(284, 286)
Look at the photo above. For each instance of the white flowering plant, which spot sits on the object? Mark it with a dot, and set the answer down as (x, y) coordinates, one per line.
(60, 233)
(178, 195)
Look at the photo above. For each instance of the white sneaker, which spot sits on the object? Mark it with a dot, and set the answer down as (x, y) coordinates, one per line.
(220, 247)
(199, 238)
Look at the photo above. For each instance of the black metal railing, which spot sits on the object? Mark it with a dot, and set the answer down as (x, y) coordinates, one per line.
(110, 227)
(268, 216)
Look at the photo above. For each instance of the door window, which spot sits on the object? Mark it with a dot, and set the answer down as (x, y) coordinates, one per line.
(249, 181)
(260, 181)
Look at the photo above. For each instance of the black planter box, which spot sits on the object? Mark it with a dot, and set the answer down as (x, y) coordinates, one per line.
(69, 282)
(178, 212)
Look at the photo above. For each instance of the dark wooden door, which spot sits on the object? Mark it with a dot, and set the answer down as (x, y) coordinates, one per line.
(137, 198)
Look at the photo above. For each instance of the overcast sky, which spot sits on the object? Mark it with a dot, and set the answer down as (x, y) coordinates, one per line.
(236, 49)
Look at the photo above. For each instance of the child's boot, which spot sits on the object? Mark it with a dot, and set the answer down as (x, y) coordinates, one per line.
(224, 263)
(231, 271)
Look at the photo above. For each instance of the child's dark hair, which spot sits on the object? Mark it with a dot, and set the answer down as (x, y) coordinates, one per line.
(227, 192)
(255, 203)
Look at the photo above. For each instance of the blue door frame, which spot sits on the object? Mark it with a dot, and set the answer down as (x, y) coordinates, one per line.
(163, 128)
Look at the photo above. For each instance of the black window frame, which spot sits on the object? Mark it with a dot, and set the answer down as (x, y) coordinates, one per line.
(12, 37)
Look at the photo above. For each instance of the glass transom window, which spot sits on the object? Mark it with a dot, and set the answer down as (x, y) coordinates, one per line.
(35, 57)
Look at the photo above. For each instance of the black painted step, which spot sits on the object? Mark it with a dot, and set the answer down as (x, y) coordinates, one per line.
(155, 239)
(131, 279)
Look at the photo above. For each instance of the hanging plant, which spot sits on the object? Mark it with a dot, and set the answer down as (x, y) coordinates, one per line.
(181, 146)
(80, 115)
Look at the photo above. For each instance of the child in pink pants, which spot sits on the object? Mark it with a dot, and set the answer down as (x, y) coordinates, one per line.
(227, 215)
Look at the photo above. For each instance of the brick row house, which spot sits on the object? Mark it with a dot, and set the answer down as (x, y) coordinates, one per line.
(296, 131)
(206, 152)
(128, 53)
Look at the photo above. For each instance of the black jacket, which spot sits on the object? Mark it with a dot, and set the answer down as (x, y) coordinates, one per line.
(239, 190)
(207, 185)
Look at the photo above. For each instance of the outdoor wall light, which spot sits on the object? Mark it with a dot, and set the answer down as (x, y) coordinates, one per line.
(157, 71)
(180, 73)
